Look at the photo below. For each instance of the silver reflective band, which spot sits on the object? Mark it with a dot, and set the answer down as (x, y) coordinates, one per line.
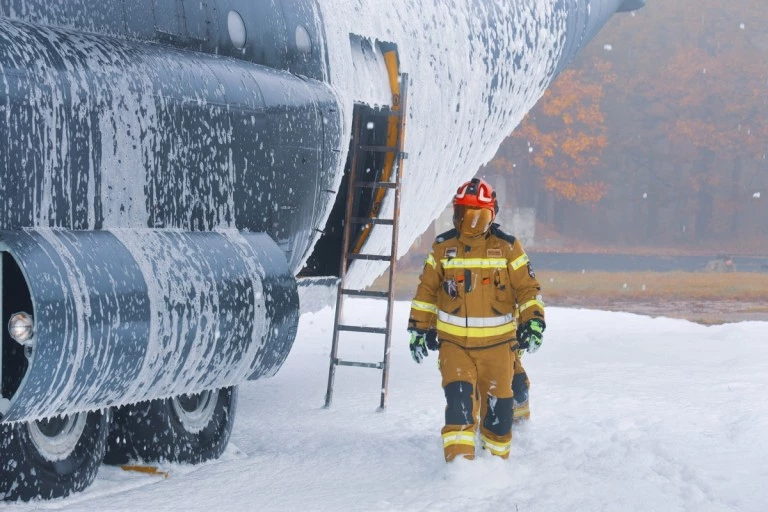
(530, 303)
(423, 306)
(460, 437)
(475, 321)
(519, 262)
(496, 447)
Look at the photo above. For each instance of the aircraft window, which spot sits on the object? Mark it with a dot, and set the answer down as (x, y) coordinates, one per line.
(303, 40)
(236, 27)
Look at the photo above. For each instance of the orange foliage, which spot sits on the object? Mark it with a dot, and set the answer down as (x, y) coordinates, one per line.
(565, 135)
(714, 76)
(685, 156)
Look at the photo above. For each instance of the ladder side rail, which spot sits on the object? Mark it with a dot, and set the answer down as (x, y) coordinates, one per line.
(343, 266)
(395, 227)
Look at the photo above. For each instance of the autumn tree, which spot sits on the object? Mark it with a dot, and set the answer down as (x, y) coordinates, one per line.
(657, 133)
(690, 111)
(558, 145)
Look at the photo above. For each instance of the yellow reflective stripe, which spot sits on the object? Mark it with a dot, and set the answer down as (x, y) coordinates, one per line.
(531, 303)
(475, 332)
(430, 261)
(519, 262)
(496, 447)
(475, 321)
(474, 263)
(465, 437)
(423, 306)
(523, 410)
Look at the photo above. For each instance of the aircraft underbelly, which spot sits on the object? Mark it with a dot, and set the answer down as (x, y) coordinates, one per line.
(102, 133)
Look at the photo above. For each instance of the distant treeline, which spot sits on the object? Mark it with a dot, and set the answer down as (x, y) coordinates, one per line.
(656, 135)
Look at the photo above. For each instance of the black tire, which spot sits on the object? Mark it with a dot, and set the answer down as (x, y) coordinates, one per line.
(188, 428)
(51, 458)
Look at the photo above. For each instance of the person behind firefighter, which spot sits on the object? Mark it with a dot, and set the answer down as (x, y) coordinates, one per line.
(475, 281)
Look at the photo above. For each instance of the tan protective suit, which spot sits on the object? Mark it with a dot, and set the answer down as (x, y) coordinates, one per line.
(470, 290)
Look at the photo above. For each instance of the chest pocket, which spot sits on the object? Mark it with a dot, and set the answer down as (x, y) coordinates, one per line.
(501, 285)
(450, 295)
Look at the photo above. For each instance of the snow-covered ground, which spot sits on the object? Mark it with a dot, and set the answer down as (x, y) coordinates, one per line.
(628, 413)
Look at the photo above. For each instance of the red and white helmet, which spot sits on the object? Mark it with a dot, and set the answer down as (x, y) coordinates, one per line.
(477, 193)
(474, 208)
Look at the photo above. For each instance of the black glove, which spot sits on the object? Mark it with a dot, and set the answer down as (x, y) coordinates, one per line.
(531, 335)
(431, 339)
(421, 342)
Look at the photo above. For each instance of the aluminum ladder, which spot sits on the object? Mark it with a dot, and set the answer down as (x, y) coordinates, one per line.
(393, 158)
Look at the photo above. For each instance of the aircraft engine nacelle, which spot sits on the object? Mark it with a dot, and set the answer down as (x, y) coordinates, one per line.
(126, 316)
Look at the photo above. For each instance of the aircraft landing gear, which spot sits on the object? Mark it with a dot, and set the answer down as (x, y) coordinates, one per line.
(187, 428)
(51, 458)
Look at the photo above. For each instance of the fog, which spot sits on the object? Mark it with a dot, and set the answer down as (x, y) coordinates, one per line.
(654, 141)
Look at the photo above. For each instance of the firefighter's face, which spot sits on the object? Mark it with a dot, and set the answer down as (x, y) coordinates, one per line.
(471, 221)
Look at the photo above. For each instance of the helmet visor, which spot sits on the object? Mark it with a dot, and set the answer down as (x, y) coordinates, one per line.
(472, 221)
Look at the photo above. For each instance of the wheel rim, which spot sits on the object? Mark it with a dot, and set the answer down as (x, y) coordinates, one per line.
(56, 438)
(195, 411)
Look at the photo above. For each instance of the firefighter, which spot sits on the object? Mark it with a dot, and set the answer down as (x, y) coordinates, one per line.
(475, 281)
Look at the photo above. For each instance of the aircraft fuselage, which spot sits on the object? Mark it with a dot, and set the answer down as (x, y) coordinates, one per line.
(168, 167)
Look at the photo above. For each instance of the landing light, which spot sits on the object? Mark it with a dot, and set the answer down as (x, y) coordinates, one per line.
(20, 328)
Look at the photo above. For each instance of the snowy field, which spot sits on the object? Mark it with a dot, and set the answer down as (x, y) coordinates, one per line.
(629, 413)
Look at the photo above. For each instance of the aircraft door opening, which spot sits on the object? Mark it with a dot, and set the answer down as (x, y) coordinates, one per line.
(371, 131)
(375, 124)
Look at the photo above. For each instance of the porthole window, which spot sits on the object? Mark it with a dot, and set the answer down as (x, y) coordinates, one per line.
(303, 40)
(236, 27)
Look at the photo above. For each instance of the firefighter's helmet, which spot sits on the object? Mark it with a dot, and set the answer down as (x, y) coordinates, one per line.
(474, 207)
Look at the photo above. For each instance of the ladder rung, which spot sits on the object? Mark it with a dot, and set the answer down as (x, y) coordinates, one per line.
(356, 328)
(370, 257)
(375, 184)
(365, 293)
(379, 149)
(377, 366)
(369, 220)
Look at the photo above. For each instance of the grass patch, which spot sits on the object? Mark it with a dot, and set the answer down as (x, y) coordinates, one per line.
(626, 286)
(703, 297)
(645, 286)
